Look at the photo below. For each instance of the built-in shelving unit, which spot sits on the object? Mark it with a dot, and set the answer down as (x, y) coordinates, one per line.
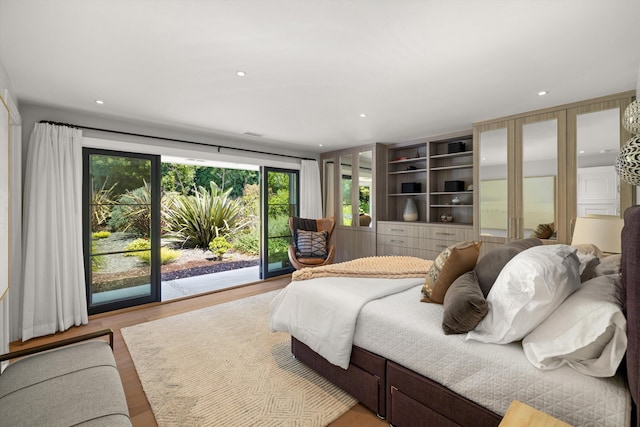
(419, 171)
(451, 180)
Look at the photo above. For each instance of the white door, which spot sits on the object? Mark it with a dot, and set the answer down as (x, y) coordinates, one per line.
(598, 191)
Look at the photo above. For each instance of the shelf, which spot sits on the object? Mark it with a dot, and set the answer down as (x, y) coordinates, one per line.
(407, 194)
(411, 159)
(450, 223)
(407, 171)
(451, 206)
(450, 155)
(448, 193)
(442, 168)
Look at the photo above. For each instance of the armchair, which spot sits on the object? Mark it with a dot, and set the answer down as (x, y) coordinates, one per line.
(311, 239)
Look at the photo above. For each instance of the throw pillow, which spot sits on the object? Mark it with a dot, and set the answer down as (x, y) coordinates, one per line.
(588, 265)
(464, 305)
(448, 266)
(490, 265)
(312, 244)
(528, 289)
(587, 332)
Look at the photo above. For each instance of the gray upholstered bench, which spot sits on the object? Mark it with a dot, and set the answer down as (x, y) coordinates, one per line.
(69, 383)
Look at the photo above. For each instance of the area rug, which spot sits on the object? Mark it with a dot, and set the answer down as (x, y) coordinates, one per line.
(222, 366)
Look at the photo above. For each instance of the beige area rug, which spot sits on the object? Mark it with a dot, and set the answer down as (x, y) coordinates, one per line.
(222, 366)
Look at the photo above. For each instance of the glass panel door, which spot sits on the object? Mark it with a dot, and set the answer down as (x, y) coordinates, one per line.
(279, 195)
(122, 229)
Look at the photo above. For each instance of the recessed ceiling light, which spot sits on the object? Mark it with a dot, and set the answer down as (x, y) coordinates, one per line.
(240, 73)
(99, 101)
(319, 145)
(581, 151)
(484, 158)
(363, 115)
(543, 92)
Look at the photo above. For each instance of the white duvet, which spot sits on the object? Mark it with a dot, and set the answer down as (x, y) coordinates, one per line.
(322, 312)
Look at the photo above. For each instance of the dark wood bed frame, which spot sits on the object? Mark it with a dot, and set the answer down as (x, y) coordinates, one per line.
(406, 398)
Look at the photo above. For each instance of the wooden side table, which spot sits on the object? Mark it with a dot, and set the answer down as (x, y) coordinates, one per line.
(521, 415)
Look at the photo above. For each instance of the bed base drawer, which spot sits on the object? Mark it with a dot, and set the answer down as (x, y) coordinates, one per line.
(364, 379)
(414, 400)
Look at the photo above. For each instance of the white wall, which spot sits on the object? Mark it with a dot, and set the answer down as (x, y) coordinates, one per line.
(8, 314)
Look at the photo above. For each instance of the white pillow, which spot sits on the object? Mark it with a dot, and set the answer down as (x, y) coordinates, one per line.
(527, 290)
(587, 332)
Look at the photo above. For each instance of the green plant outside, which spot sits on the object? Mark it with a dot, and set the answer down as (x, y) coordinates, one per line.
(101, 234)
(137, 245)
(219, 246)
(196, 220)
(166, 255)
(132, 213)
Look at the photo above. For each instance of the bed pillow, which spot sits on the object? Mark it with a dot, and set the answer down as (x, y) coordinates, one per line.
(609, 265)
(587, 332)
(312, 244)
(448, 266)
(588, 265)
(464, 305)
(490, 265)
(528, 289)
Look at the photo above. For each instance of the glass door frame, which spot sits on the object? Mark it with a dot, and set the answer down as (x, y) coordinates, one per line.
(156, 196)
(294, 210)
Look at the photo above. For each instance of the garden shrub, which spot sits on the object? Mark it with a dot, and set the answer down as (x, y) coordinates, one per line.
(166, 255)
(247, 242)
(219, 246)
(101, 234)
(137, 245)
(133, 212)
(196, 220)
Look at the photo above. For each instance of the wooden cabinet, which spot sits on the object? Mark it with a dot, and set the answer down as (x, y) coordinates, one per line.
(421, 240)
(352, 194)
(526, 167)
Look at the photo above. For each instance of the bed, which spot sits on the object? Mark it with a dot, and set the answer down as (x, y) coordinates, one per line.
(393, 370)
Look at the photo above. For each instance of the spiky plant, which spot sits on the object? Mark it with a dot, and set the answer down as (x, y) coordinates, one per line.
(101, 204)
(196, 220)
(133, 211)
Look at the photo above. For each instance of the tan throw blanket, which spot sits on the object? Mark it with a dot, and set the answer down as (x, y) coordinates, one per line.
(383, 267)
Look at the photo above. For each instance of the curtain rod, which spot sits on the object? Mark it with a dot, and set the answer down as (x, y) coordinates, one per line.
(173, 140)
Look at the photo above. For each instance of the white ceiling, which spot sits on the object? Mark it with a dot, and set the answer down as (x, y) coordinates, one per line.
(416, 68)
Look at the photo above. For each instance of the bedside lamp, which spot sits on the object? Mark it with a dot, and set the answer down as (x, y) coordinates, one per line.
(604, 232)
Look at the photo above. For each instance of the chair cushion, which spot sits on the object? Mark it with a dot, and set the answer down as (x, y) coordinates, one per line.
(311, 244)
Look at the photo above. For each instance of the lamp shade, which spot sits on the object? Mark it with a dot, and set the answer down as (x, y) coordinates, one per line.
(605, 233)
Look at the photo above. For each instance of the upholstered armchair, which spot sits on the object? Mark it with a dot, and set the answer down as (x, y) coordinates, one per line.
(311, 239)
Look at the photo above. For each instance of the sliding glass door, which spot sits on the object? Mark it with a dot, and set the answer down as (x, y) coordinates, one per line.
(279, 195)
(121, 215)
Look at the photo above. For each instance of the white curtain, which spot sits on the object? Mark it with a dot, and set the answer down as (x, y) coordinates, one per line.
(54, 296)
(310, 190)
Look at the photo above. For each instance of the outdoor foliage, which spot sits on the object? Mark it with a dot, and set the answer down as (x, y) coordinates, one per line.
(219, 246)
(101, 202)
(196, 220)
(166, 255)
(133, 212)
(137, 245)
(248, 240)
(101, 234)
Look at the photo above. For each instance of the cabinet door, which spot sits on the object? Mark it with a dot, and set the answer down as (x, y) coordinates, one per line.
(346, 216)
(493, 207)
(540, 178)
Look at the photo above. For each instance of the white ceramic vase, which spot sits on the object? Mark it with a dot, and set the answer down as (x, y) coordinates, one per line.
(410, 210)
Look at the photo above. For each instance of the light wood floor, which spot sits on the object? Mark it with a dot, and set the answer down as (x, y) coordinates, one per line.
(139, 408)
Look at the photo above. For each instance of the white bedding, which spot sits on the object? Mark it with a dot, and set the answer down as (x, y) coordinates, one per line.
(322, 312)
(407, 331)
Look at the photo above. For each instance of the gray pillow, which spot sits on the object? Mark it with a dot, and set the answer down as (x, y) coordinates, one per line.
(609, 265)
(464, 305)
(490, 265)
